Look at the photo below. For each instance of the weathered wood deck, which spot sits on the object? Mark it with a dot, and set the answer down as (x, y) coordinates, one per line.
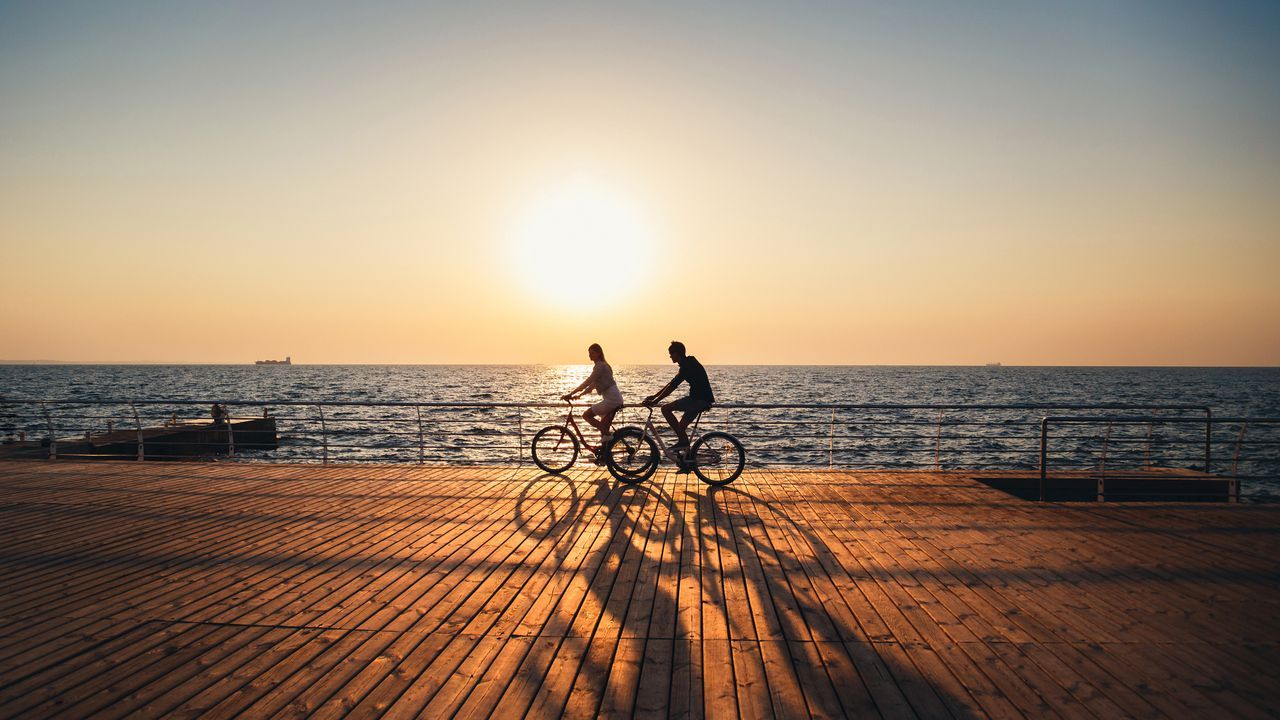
(181, 589)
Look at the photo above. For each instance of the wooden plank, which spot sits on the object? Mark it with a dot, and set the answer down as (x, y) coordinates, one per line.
(466, 624)
(686, 694)
(555, 616)
(719, 691)
(989, 604)
(157, 569)
(783, 685)
(588, 601)
(531, 608)
(608, 681)
(953, 639)
(474, 592)
(653, 689)
(338, 693)
(295, 666)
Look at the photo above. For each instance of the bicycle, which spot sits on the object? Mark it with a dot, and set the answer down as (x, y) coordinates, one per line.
(632, 456)
(555, 448)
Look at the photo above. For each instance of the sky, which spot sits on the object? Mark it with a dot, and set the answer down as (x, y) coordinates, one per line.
(1083, 183)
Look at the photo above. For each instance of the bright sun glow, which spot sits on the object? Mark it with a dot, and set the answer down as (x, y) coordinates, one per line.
(582, 231)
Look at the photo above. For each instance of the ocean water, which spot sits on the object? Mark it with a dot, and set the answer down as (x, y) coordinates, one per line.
(886, 437)
(1229, 391)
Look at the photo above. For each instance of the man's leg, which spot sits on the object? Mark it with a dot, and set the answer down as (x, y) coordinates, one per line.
(682, 430)
(685, 421)
(669, 412)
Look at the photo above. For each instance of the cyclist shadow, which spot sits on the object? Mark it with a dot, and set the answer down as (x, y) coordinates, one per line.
(781, 589)
(611, 542)
(678, 593)
(531, 505)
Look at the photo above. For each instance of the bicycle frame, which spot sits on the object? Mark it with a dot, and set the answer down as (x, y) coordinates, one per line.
(652, 431)
(571, 422)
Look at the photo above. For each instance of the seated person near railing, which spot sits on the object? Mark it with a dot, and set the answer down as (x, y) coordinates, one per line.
(219, 413)
(600, 415)
(699, 400)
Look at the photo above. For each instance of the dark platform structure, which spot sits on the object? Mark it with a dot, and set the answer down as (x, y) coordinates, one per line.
(1152, 484)
(217, 589)
(167, 442)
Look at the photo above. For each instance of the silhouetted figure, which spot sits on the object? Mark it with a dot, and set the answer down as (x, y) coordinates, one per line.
(219, 413)
(600, 415)
(699, 400)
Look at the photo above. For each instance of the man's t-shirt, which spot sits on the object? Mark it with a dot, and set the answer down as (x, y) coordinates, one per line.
(692, 372)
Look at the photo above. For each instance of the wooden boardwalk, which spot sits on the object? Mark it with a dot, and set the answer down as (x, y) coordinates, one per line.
(221, 589)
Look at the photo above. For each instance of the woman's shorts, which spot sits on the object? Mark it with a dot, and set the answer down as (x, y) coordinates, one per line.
(609, 403)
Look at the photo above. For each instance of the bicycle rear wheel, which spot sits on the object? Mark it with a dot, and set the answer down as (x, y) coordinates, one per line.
(717, 458)
(554, 449)
(632, 456)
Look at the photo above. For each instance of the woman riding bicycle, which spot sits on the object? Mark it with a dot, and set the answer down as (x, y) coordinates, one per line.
(600, 415)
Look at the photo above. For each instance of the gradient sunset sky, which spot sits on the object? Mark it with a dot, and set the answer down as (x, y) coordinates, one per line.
(1078, 183)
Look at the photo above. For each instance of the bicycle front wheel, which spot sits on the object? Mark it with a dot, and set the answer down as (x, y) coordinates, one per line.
(554, 449)
(631, 455)
(717, 458)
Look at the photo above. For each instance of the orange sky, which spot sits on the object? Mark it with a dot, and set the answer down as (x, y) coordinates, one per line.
(357, 186)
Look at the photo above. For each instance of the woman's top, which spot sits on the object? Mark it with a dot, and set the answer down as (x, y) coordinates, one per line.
(601, 379)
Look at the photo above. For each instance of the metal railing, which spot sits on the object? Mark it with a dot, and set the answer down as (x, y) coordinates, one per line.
(837, 435)
(1109, 437)
(1122, 443)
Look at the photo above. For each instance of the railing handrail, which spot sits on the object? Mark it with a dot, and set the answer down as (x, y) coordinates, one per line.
(726, 406)
(1153, 418)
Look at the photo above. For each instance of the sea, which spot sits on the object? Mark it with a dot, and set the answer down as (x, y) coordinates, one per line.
(888, 436)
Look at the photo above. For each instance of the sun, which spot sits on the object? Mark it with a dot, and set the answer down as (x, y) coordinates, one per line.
(581, 244)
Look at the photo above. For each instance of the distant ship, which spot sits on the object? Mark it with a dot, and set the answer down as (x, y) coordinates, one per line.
(993, 364)
(286, 361)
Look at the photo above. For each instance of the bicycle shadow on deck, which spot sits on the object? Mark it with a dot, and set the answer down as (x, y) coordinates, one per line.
(708, 600)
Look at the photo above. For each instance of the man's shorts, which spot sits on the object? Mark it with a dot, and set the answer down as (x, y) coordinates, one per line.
(691, 405)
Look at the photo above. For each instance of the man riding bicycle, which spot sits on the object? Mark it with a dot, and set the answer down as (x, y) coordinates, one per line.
(699, 400)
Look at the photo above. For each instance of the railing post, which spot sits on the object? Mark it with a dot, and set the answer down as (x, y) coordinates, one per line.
(1146, 451)
(1235, 461)
(53, 436)
(1044, 454)
(142, 453)
(937, 443)
(324, 436)
(1208, 438)
(831, 441)
(422, 450)
(231, 437)
(519, 438)
(1102, 463)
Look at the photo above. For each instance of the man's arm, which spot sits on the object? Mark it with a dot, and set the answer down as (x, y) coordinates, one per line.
(666, 390)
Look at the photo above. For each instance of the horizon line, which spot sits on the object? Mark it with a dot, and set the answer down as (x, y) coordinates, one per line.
(54, 363)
